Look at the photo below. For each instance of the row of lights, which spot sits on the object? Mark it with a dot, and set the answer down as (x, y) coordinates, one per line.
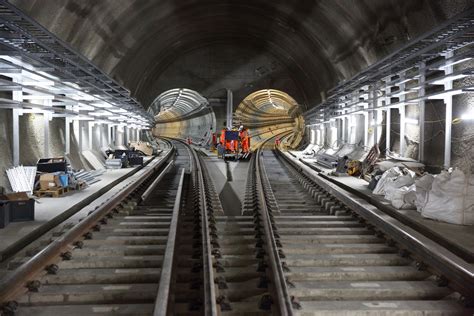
(42, 86)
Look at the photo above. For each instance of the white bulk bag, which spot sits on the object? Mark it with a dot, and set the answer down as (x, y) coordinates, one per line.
(451, 199)
(393, 184)
(389, 175)
(404, 197)
(423, 186)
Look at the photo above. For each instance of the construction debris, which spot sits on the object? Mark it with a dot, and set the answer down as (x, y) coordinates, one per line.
(90, 177)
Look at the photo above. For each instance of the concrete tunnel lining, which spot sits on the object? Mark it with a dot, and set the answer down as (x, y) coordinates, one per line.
(337, 244)
(317, 42)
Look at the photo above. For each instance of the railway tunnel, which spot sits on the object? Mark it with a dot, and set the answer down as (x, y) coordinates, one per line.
(236, 157)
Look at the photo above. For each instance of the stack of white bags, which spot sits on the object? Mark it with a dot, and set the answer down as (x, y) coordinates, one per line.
(447, 197)
(398, 186)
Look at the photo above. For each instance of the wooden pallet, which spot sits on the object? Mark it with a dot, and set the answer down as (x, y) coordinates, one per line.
(57, 192)
(79, 186)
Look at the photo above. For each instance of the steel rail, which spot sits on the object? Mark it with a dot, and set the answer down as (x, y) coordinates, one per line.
(210, 302)
(279, 281)
(210, 305)
(23, 242)
(156, 181)
(458, 272)
(431, 234)
(14, 284)
(162, 298)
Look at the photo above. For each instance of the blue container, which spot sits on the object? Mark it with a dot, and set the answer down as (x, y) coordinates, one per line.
(64, 178)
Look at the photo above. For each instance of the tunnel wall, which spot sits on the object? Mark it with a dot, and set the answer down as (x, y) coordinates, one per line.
(198, 128)
(32, 141)
(301, 47)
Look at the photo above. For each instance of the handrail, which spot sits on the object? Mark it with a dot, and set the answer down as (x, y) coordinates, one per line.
(14, 284)
(156, 181)
(279, 281)
(162, 298)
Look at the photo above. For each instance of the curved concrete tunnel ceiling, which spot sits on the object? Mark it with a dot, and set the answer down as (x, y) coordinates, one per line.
(271, 112)
(177, 103)
(183, 113)
(301, 47)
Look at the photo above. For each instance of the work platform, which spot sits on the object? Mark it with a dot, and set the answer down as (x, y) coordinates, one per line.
(52, 214)
(457, 238)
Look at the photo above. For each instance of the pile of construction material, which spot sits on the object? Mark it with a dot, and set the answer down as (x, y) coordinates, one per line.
(22, 179)
(143, 147)
(50, 177)
(123, 158)
(55, 178)
(88, 177)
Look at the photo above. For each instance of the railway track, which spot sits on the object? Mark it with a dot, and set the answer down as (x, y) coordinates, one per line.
(336, 261)
(300, 247)
(141, 253)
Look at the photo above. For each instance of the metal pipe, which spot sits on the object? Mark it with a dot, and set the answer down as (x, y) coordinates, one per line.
(422, 105)
(89, 134)
(162, 298)
(230, 111)
(16, 137)
(67, 135)
(402, 110)
(448, 100)
(375, 115)
(46, 134)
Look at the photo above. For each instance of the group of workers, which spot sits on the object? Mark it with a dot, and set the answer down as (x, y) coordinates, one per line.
(232, 141)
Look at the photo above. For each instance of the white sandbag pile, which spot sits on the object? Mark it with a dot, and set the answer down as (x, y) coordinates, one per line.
(423, 187)
(447, 197)
(450, 199)
(389, 175)
(398, 186)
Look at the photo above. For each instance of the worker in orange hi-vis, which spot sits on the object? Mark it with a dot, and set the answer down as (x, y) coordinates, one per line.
(222, 137)
(229, 145)
(244, 139)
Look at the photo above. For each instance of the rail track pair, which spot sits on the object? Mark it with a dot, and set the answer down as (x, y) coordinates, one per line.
(302, 246)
